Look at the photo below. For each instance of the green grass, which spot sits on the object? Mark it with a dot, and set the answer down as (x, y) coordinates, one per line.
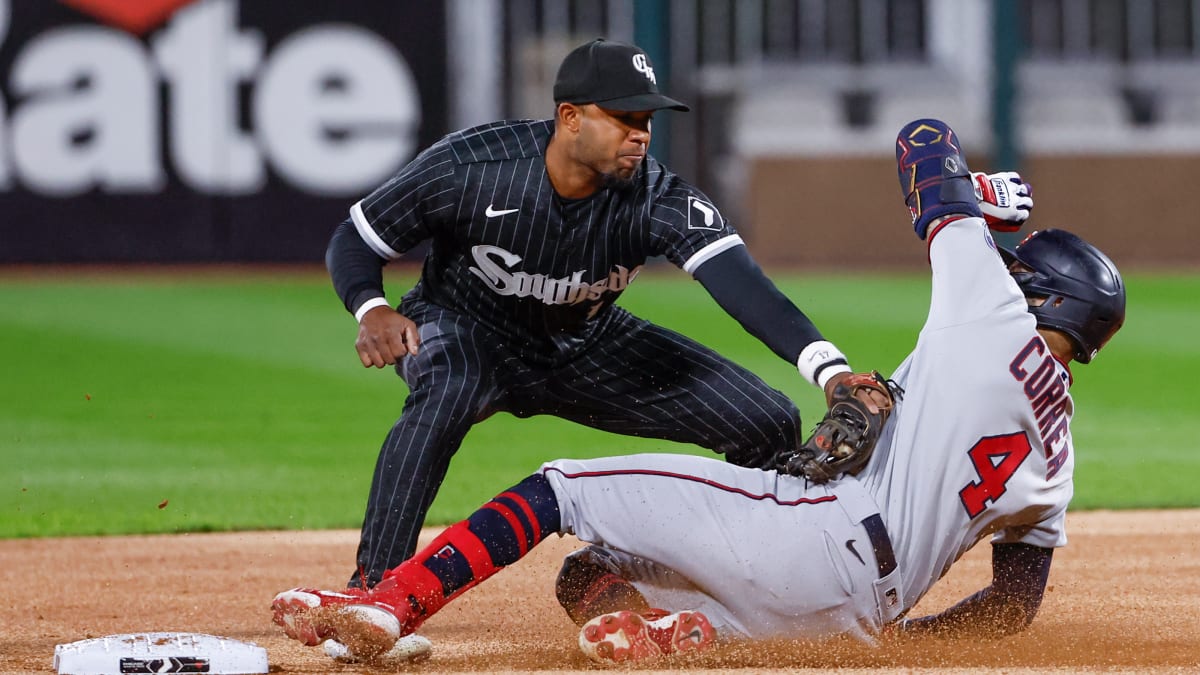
(240, 403)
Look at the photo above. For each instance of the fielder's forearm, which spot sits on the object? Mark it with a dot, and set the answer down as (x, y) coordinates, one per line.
(356, 270)
(739, 286)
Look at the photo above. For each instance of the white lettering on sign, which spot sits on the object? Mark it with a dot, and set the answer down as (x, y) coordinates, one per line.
(334, 108)
(89, 117)
(204, 58)
(374, 114)
(5, 179)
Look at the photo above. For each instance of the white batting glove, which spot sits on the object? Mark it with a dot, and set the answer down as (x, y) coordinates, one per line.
(1005, 199)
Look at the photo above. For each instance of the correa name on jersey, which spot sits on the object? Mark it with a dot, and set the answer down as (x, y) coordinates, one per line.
(1034, 366)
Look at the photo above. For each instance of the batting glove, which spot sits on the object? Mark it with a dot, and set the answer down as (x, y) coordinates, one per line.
(1005, 199)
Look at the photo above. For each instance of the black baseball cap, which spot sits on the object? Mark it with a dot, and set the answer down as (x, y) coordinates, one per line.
(613, 75)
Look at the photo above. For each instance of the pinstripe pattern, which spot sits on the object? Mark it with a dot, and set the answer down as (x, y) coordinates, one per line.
(543, 274)
(515, 308)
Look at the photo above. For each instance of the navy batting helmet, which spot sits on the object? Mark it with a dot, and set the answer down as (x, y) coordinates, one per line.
(1082, 289)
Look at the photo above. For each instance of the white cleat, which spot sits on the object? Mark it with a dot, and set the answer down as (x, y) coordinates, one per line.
(408, 649)
(310, 616)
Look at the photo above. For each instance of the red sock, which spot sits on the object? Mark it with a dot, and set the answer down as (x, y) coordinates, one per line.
(455, 549)
(466, 553)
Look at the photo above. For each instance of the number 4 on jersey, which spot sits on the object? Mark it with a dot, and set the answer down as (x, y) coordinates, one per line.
(996, 459)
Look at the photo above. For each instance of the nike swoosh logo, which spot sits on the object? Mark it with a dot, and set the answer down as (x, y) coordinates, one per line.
(850, 545)
(492, 213)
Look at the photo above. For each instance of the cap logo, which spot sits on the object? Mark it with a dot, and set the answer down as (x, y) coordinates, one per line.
(641, 65)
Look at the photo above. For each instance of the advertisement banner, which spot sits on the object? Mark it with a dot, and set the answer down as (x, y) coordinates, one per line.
(206, 130)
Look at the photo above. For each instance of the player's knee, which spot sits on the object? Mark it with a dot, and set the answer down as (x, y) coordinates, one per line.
(763, 431)
(589, 584)
(450, 371)
(451, 398)
(579, 570)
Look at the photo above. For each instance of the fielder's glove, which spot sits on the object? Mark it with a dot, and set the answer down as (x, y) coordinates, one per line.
(1005, 199)
(843, 441)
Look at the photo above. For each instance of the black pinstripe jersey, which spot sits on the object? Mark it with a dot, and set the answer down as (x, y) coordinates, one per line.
(539, 270)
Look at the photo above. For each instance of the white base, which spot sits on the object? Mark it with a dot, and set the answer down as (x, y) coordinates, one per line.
(159, 653)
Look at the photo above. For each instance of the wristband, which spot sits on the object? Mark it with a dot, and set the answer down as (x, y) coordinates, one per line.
(820, 361)
(368, 306)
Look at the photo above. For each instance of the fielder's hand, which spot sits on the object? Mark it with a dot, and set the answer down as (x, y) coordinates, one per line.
(845, 438)
(385, 336)
(873, 398)
(1005, 199)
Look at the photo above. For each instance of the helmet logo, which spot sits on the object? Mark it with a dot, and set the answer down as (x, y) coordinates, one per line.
(929, 134)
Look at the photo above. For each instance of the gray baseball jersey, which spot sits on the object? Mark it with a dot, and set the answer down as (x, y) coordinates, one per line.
(981, 443)
(978, 446)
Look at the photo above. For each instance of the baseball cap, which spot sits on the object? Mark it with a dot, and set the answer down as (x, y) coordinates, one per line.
(613, 75)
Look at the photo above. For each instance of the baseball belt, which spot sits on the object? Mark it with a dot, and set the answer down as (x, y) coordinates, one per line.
(881, 544)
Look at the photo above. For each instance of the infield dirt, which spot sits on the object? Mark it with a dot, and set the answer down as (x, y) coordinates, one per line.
(1124, 597)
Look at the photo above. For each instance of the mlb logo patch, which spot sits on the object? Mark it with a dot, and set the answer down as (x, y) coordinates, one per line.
(703, 215)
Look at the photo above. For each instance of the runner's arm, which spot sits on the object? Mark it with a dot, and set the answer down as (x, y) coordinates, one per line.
(1019, 573)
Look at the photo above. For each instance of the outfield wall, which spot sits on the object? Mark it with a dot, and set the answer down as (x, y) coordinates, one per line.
(240, 131)
(822, 211)
(206, 130)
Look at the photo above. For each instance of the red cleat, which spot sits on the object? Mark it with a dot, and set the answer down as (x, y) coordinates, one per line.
(368, 627)
(625, 636)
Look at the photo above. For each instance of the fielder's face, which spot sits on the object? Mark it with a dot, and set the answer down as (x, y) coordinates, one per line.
(612, 143)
